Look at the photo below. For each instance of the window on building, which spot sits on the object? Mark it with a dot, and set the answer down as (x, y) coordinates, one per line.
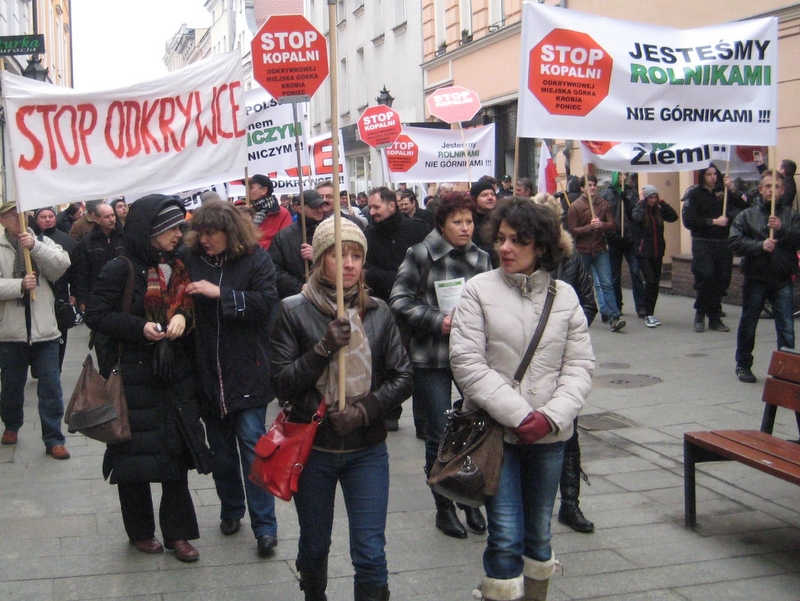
(399, 12)
(497, 11)
(362, 99)
(340, 11)
(377, 6)
(438, 17)
(357, 4)
(344, 88)
(466, 16)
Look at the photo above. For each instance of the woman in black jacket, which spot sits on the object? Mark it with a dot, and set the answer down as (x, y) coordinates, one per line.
(167, 436)
(233, 287)
(651, 213)
(350, 444)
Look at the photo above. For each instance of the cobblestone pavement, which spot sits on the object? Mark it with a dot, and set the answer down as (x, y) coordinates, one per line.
(61, 535)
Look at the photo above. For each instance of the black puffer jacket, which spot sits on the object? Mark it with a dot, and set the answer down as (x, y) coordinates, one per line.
(748, 232)
(94, 250)
(231, 332)
(388, 242)
(651, 243)
(296, 368)
(168, 437)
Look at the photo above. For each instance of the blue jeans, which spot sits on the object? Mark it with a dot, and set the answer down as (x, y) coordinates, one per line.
(232, 440)
(602, 268)
(754, 293)
(364, 476)
(433, 387)
(519, 515)
(15, 357)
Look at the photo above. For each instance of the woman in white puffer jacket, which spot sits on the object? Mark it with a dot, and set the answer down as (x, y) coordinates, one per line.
(492, 327)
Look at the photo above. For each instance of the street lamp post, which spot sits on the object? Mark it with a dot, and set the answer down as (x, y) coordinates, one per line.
(35, 69)
(384, 97)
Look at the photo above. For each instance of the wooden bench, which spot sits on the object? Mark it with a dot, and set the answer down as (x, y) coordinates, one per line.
(757, 448)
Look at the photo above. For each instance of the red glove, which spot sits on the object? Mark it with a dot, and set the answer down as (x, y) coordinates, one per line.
(534, 427)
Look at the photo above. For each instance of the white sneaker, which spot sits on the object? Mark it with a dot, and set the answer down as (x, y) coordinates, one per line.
(651, 322)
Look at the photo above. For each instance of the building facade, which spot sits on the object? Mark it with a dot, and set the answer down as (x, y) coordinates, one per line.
(476, 44)
(52, 19)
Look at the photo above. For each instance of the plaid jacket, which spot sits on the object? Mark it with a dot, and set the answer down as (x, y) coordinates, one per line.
(429, 348)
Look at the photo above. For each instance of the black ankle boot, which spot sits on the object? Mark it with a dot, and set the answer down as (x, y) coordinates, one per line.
(446, 519)
(570, 513)
(474, 517)
(370, 591)
(313, 584)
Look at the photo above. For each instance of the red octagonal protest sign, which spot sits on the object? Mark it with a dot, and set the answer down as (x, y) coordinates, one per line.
(599, 148)
(379, 126)
(453, 104)
(569, 73)
(290, 58)
(402, 155)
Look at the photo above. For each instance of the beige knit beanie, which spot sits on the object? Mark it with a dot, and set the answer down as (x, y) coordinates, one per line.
(324, 237)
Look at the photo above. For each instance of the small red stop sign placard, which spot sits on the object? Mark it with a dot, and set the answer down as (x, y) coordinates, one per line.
(290, 58)
(569, 73)
(379, 126)
(402, 155)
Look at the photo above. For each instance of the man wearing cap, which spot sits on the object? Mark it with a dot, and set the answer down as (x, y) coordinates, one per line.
(289, 253)
(45, 225)
(28, 330)
(505, 189)
(103, 244)
(485, 198)
(270, 216)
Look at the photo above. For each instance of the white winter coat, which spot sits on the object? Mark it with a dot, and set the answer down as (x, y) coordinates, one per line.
(492, 328)
(52, 261)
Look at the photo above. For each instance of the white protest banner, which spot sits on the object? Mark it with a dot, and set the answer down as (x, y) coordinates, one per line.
(439, 155)
(627, 156)
(84, 145)
(318, 167)
(584, 76)
(271, 134)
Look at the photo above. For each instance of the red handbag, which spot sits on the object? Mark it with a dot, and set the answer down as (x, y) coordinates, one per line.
(282, 453)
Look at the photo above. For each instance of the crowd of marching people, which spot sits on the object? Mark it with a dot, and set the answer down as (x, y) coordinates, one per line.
(212, 315)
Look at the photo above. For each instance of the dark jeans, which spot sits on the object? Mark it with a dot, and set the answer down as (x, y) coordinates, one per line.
(15, 357)
(617, 250)
(602, 269)
(364, 476)
(712, 262)
(434, 389)
(651, 272)
(175, 515)
(233, 442)
(754, 293)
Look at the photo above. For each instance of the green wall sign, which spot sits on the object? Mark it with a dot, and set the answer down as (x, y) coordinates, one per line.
(21, 44)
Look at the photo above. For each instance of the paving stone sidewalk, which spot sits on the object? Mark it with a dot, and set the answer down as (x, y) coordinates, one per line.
(61, 534)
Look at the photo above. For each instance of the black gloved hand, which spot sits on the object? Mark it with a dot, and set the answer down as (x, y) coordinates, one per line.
(337, 335)
(347, 420)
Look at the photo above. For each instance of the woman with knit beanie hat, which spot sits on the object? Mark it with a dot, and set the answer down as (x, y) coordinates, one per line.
(350, 444)
(167, 436)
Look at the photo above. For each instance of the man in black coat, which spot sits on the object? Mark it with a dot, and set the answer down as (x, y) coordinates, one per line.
(388, 238)
(102, 244)
(45, 225)
(287, 250)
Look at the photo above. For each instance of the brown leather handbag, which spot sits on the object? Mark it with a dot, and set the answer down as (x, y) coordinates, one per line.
(98, 408)
(470, 456)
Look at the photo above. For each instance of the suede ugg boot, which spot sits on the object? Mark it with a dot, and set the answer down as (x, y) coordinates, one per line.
(537, 577)
(496, 589)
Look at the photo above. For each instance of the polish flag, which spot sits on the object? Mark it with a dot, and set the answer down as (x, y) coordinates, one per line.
(548, 174)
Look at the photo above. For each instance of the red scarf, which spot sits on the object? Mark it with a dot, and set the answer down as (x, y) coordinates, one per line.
(163, 301)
